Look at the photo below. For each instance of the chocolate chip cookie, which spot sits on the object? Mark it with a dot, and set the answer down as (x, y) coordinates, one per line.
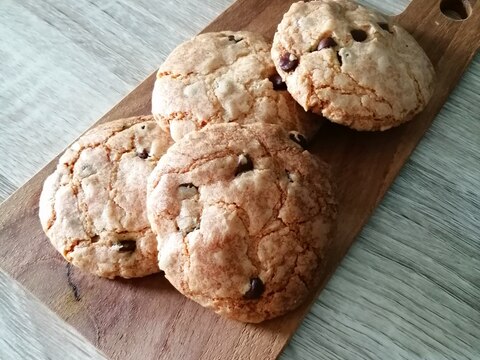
(352, 65)
(223, 77)
(92, 207)
(244, 218)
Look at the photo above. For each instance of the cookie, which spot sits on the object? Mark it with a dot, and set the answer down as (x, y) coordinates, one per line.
(223, 77)
(244, 218)
(92, 207)
(352, 65)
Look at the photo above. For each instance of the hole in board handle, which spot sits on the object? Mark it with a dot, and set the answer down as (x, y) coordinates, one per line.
(456, 9)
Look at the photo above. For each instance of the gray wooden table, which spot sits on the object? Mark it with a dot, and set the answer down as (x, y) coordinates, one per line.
(408, 289)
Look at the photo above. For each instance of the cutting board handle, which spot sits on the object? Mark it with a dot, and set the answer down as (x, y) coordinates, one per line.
(454, 10)
(450, 30)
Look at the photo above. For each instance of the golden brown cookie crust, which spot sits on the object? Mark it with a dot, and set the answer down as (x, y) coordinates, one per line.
(351, 64)
(92, 207)
(222, 77)
(243, 217)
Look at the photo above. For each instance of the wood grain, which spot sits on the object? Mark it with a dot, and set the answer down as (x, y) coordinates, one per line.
(66, 62)
(175, 313)
(44, 345)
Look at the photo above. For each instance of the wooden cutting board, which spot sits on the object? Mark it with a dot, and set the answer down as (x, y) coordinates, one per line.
(146, 318)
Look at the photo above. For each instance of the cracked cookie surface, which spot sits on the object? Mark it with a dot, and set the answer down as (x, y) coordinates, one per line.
(352, 65)
(92, 207)
(244, 217)
(223, 77)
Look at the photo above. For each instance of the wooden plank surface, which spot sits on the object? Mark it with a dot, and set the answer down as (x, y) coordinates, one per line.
(52, 340)
(466, 339)
(65, 63)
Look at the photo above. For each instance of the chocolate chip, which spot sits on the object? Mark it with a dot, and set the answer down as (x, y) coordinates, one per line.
(384, 26)
(326, 43)
(232, 38)
(288, 176)
(143, 154)
(359, 35)
(143, 127)
(256, 289)
(288, 62)
(188, 185)
(278, 83)
(244, 164)
(339, 57)
(299, 139)
(126, 245)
